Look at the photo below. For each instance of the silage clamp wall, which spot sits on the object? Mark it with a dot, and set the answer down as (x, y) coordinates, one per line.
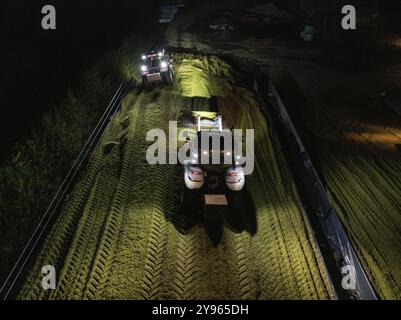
(332, 226)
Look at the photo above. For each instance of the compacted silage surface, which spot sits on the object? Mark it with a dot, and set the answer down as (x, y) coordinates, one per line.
(356, 148)
(121, 235)
(362, 169)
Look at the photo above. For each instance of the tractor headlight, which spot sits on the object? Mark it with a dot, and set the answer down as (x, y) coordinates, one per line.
(144, 68)
(163, 65)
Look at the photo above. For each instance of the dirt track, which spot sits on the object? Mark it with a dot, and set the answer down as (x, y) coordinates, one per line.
(121, 237)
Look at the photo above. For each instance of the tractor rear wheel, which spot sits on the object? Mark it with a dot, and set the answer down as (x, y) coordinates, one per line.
(169, 77)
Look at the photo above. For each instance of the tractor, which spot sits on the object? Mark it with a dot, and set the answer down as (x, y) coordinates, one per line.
(156, 68)
(213, 177)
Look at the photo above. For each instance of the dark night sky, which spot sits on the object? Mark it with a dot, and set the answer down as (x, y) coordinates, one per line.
(38, 65)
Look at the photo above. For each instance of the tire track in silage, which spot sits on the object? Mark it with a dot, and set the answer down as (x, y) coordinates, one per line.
(142, 222)
(186, 274)
(56, 244)
(154, 257)
(271, 254)
(157, 239)
(244, 284)
(139, 208)
(82, 251)
(86, 271)
(164, 180)
(57, 241)
(96, 287)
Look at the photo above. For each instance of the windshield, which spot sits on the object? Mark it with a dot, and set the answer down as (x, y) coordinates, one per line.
(154, 62)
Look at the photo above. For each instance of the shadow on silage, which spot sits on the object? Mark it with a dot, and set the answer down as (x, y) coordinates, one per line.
(240, 217)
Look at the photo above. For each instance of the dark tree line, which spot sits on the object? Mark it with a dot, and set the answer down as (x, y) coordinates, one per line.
(38, 66)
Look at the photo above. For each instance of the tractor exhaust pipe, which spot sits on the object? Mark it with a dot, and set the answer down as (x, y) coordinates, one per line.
(220, 123)
(198, 124)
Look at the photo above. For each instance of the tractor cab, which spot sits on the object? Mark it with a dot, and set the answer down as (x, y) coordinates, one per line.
(156, 68)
